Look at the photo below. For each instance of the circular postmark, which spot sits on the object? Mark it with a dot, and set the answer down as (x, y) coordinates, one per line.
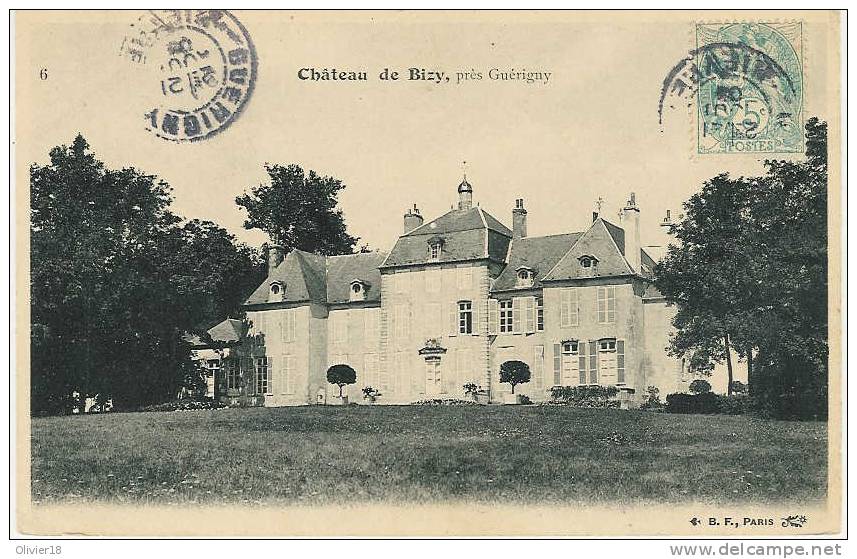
(201, 67)
(748, 90)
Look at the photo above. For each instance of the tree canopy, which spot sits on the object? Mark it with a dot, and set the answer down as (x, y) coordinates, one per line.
(116, 279)
(514, 373)
(341, 375)
(298, 210)
(749, 272)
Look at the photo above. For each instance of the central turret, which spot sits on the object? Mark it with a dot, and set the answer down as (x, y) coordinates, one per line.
(465, 195)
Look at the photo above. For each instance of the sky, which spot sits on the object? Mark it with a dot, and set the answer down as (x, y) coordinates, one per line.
(591, 131)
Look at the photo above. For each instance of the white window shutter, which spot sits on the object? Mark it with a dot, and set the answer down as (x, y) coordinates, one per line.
(581, 363)
(530, 321)
(564, 308)
(453, 319)
(611, 304)
(517, 315)
(493, 316)
(481, 324)
(557, 364)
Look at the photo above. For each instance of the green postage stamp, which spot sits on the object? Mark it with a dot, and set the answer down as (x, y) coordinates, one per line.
(749, 87)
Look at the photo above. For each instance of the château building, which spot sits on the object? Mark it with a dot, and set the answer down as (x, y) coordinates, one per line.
(455, 298)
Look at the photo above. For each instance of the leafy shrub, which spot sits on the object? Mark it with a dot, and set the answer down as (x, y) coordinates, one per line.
(791, 386)
(586, 396)
(738, 387)
(699, 386)
(186, 405)
(737, 404)
(653, 399)
(445, 402)
(470, 389)
(370, 393)
(707, 402)
(525, 399)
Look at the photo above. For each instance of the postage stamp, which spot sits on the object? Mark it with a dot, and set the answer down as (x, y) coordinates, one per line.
(203, 66)
(746, 80)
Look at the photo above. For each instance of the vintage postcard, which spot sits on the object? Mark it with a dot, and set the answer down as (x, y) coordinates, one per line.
(428, 273)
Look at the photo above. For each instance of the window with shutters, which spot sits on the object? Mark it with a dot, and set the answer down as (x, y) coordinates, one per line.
(517, 315)
(402, 321)
(433, 280)
(399, 282)
(465, 278)
(287, 326)
(570, 373)
(371, 324)
(606, 304)
(569, 314)
(233, 374)
(505, 316)
(540, 315)
(401, 380)
(607, 362)
(538, 367)
(593, 363)
(435, 250)
(339, 321)
(433, 320)
(263, 375)
(288, 374)
(465, 317)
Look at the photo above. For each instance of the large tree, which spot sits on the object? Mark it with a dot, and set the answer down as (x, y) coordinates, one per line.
(116, 280)
(298, 210)
(706, 274)
(749, 271)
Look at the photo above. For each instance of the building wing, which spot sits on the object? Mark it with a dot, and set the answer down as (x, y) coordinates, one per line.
(539, 254)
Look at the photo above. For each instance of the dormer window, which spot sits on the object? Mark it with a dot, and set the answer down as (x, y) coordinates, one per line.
(525, 276)
(276, 290)
(358, 290)
(435, 248)
(588, 265)
(588, 261)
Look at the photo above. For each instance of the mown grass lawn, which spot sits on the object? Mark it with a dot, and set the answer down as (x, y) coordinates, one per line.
(323, 455)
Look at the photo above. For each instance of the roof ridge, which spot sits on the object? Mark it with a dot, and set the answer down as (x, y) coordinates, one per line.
(548, 236)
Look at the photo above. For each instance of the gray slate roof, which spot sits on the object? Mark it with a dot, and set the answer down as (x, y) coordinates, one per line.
(470, 234)
(322, 279)
(601, 240)
(538, 253)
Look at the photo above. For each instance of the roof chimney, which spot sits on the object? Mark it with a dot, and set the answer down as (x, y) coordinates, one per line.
(413, 219)
(519, 220)
(667, 223)
(632, 233)
(276, 255)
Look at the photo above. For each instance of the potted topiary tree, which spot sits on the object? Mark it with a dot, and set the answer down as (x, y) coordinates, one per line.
(341, 375)
(514, 373)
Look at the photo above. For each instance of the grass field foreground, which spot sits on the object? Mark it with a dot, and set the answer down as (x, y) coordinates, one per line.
(320, 455)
